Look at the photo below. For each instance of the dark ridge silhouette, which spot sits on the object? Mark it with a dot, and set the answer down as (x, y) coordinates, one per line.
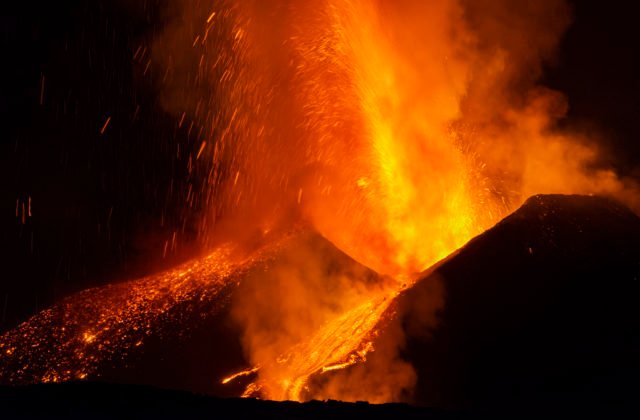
(102, 400)
(542, 309)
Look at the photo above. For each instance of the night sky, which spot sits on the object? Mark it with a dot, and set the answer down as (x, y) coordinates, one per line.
(104, 199)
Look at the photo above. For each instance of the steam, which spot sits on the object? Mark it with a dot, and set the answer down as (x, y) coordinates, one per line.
(386, 376)
(509, 122)
(304, 291)
(398, 130)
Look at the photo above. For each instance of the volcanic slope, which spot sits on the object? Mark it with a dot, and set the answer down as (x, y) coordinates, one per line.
(176, 329)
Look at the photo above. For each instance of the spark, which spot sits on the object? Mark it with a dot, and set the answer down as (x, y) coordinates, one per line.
(245, 372)
(104, 126)
(202, 146)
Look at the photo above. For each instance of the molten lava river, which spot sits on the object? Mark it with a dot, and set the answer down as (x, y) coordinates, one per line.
(343, 148)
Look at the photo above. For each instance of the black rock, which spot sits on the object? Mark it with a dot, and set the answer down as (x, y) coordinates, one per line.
(106, 401)
(540, 310)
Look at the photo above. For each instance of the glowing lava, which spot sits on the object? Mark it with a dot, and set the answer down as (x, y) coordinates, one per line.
(74, 338)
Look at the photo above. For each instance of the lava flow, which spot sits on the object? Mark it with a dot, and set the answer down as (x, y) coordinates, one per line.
(396, 130)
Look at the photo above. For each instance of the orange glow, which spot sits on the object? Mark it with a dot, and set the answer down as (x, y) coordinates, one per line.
(245, 372)
(400, 197)
(337, 344)
(398, 130)
(102, 324)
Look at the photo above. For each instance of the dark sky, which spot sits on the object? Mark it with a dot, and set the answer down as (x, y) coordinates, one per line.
(103, 204)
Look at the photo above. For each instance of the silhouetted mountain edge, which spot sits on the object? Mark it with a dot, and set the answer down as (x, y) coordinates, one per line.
(541, 309)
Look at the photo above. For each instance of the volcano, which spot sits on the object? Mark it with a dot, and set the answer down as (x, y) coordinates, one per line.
(540, 309)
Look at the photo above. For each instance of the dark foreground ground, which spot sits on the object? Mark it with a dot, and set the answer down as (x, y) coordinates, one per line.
(106, 401)
(101, 400)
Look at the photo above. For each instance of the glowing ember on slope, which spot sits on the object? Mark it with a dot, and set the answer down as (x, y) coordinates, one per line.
(73, 338)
